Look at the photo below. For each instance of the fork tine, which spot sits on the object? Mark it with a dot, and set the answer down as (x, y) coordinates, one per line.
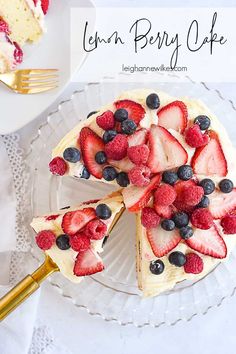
(37, 71)
(36, 90)
(38, 84)
(30, 78)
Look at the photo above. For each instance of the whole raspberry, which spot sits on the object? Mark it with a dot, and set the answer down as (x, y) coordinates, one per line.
(165, 195)
(45, 239)
(192, 195)
(117, 148)
(229, 224)
(149, 218)
(202, 219)
(95, 229)
(58, 166)
(139, 176)
(106, 120)
(138, 154)
(195, 138)
(79, 242)
(194, 264)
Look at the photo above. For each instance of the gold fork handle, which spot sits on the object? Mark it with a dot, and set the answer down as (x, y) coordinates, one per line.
(25, 288)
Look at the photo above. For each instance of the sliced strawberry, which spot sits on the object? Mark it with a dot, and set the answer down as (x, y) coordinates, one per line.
(124, 165)
(179, 187)
(73, 221)
(45, 6)
(208, 242)
(161, 241)
(164, 211)
(138, 138)
(135, 198)
(210, 159)
(165, 150)
(136, 112)
(90, 144)
(87, 263)
(222, 204)
(173, 116)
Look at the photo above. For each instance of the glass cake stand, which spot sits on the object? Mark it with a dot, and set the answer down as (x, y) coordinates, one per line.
(113, 294)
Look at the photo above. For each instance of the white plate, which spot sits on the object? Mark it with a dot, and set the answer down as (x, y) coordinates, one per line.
(53, 51)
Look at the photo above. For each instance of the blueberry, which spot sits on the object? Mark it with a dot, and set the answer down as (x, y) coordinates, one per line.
(100, 157)
(177, 258)
(185, 172)
(203, 121)
(181, 219)
(63, 242)
(153, 101)
(122, 179)
(109, 173)
(103, 211)
(226, 185)
(71, 154)
(91, 114)
(85, 173)
(128, 127)
(204, 202)
(109, 136)
(208, 185)
(186, 232)
(168, 224)
(120, 115)
(169, 177)
(157, 267)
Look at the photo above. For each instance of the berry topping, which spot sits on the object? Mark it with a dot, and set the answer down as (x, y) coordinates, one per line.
(222, 203)
(229, 224)
(165, 195)
(226, 185)
(149, 218)
(100, 157)
(106, 120)
(195, 138)
(122, 179)
(91, 114)
(121, 114)
(157, 267)
(73, 221)
(192, 195)
(45, 5)
(164, 211)
(210, 159)
(103, 211)
(58, 166)
(173, 116)
(87, 263)
(153, 101)
(51, 217)
(71, 154)
(203, 121)
(138, 138)
(169, 177)
(161, 241)
(177, 258)
(85, 173)
(185, 172)
(180, 219)
(80, 242)
(202, 219)
(135, 111)
(95, 229)
(109, 173)
(165, 150)
(45, 239)
(140, 176)
(180, 187)
(109, 136)
(138, 154)
(117, 148)
(63, 242)
(208, 185)
(18, 53)
(204, 203)
(186, 232)
(194, 264)
(4, 27)
(168, 224)
(128, 127)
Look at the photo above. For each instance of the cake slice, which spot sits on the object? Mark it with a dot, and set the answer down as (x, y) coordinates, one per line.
(74, 237)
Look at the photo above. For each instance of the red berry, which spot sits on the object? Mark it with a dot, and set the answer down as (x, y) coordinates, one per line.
(18, 53)
(95, 229)
(192, 195)
(165, 195)
(138, 154)
(45, 5)
(229, 224)
(202, 219)
(51, 217)
(139, 176)
(58, 166)
(79, 242)
(149, 218)
(45, 239)
(195, 138)
(106, 120)
(117, 148)
(194, 264)
(4, 27)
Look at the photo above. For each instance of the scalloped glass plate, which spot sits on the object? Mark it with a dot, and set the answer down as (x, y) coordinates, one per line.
(113, 294)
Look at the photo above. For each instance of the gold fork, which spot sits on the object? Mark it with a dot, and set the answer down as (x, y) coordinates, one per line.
(28, 81)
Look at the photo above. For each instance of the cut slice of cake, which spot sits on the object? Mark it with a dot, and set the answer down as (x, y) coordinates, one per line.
(74, 237)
